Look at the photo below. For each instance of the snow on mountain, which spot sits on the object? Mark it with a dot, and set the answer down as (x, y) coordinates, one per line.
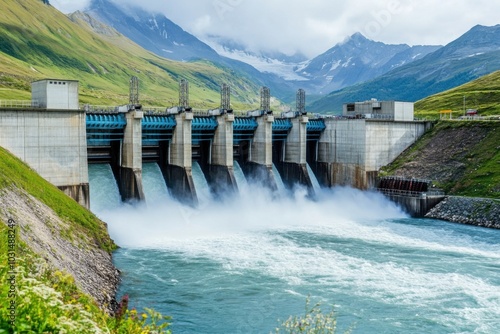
(358, 59)
(355, 60)
(279, 64)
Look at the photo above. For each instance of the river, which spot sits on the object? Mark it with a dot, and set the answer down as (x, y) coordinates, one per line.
(239, 265)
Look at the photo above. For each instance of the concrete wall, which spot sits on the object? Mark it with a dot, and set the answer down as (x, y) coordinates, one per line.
(178, 173)
(385, 141)
(351, 151)
(131, 167)
(221, 172)
(341, 153)
(295, 148)
(294, 170)
(222, 146)
(262, 144)
(404, 111)
(260, 161)
(53, 143)
(181, 153)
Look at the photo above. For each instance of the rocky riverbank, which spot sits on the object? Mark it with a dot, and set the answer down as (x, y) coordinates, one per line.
(62, 246)
(468, 210)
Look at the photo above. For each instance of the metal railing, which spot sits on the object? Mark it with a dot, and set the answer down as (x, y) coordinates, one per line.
(98, 108)
(19, 104)
(154, 110)
(407, 193)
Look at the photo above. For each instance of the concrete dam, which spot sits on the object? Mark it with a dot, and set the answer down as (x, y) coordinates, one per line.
(59, 139)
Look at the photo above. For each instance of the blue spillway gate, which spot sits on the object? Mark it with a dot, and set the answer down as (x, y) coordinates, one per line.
(102, 129)
(314, 129)
(157, 128)
(281, 128)
(150, 122)
(243, 129)
(203, 128)
(106, 121)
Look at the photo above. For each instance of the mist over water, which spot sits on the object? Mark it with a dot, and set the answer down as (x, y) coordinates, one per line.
(237, 265)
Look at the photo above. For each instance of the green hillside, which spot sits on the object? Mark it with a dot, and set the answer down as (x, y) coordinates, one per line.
(37, 41)
(482, 94)
(461, 157)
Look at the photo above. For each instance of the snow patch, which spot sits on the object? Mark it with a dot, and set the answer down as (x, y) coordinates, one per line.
(284, 70)
(335, 65)
(475, 54)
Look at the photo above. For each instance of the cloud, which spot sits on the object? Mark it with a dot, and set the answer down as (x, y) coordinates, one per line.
(69, 6)
(313, 26)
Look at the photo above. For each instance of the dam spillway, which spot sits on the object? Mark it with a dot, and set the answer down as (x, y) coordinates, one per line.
(60, 140)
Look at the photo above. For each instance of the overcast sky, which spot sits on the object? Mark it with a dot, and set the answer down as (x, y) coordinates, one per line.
(313, 26)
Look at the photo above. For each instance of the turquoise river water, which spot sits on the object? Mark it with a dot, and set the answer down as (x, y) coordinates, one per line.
(239, 264)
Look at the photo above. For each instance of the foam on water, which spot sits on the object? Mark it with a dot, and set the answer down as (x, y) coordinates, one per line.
(345, 241)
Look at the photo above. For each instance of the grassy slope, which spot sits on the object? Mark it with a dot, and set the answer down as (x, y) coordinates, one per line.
(49, 301)
(462, 157)
(37, 41)
(15, 173)
(482, 94)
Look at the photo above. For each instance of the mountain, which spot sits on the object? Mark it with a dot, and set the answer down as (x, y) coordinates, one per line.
(37, 41)
(357, 60)
(154, 32)
(474, 54)
(158, 34)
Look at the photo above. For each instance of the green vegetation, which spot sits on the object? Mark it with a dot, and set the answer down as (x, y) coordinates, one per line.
(38, 42)
(16, 174)
(463, 157)
(314, 321)
(482, 94)
(48, 301)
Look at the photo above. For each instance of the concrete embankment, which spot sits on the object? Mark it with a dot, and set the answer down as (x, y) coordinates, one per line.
(468, 210)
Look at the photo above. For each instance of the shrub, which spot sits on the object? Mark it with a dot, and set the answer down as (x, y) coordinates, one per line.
(314, 321)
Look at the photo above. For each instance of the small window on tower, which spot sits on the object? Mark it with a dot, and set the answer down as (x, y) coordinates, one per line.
(351, 107)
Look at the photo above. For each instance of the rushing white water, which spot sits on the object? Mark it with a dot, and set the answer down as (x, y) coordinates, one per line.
(314, 180)
(104, 193)
(251, 259)
(155, 188)
(241, 180)
(201, 185)
(279, 181)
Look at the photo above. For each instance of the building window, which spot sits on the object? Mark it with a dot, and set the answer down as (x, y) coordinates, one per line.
(351, 107)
